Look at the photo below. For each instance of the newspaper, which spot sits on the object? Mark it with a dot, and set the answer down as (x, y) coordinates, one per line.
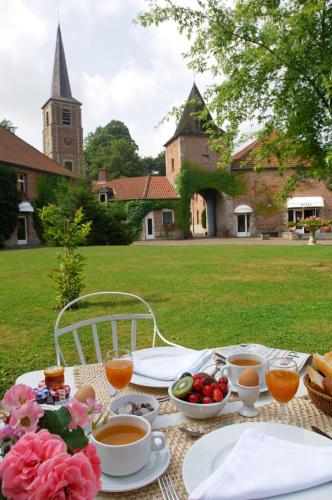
(269, 352)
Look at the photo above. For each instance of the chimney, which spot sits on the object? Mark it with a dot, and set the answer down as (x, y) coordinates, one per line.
(102, 175)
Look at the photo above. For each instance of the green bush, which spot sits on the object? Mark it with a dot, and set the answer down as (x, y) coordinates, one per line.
(9, 200)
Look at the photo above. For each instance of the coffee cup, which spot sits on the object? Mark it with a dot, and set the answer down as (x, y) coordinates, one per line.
(236, 363)
(125, 459)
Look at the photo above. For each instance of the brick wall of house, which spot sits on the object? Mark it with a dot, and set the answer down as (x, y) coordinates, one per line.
(262, 186)
(159, 230)
(173, 160)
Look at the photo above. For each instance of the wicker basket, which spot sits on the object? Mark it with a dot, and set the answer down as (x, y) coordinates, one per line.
(322, 401)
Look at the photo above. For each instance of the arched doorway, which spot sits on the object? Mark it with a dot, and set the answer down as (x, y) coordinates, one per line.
(203, 213)
(243, 215)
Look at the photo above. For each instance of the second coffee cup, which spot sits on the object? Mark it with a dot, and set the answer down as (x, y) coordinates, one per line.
(236, 363)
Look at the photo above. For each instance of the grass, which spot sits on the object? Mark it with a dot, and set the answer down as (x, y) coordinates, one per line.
(202, 296)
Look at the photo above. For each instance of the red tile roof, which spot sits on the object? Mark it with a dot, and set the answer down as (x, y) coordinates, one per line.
(138, 188)
(243, 158)
(14, 151)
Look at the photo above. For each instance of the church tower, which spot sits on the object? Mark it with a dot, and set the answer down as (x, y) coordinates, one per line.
(62, 121)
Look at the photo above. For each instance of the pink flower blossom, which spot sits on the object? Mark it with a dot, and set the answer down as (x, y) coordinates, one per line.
(19, 467)
(26, 417)
(94, 407)
(91, 452)
(17, 395)
(65, 477)
(79, 414)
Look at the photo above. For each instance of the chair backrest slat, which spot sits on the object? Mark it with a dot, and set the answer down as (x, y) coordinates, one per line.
(115, 335)
(133, 334)
(96, 342)
(113, 318)
(79, 347)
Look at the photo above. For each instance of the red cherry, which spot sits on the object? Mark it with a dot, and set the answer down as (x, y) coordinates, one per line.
(223, 380)
(198, 385)
(207, 400)
(215, 386)
(223, 388)
(207, 389)
(217, 395)
(193, 398)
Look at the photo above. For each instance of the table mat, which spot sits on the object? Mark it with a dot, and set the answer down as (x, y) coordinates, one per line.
(300, 412)
(93, 375)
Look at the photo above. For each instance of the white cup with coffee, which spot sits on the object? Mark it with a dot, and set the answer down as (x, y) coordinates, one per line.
(125, 443)
(236, 363)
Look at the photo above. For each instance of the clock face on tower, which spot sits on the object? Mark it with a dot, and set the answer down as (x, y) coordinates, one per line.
(68, 140)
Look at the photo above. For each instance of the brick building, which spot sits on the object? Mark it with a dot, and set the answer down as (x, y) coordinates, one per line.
(63, 147)
(30, 164)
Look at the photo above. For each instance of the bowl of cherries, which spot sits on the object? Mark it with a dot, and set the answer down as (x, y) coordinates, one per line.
(199, 395)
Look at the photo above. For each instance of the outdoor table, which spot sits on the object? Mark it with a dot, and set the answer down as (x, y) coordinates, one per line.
(300, 410)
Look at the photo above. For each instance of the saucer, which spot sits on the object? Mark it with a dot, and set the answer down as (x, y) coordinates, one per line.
(158, 463)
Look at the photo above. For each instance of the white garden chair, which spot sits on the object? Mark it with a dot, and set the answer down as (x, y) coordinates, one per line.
(113, 319)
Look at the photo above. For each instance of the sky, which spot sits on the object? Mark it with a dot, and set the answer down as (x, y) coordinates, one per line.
(118, 70)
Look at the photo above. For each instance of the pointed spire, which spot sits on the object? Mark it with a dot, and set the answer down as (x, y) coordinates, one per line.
(189, 123)
(60, 80)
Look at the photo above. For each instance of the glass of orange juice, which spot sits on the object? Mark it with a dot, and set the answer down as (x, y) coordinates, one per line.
(282, 379)
(119, 366)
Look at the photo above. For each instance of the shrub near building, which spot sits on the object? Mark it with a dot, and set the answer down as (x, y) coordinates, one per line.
(9, 200)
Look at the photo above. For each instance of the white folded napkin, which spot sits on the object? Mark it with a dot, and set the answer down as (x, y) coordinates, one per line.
(262, 466)
(169, 369)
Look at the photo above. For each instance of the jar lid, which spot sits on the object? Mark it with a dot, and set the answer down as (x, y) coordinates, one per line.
(54, 371)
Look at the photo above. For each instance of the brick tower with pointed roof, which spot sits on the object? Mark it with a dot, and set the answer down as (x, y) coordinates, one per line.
(62, 121)
(190, 141)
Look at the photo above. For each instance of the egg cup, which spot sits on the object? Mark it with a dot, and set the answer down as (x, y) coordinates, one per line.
(248, 396)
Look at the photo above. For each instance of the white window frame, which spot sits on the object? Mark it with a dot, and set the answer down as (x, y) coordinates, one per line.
(166, 210)
(22, 182)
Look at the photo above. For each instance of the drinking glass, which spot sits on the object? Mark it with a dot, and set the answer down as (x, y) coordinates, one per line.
(282, 379)
(119, 366)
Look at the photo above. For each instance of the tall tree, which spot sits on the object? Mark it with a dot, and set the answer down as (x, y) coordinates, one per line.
(273, 59)
(9, 200)
(154, 165)
(8, 125)
(112, 147)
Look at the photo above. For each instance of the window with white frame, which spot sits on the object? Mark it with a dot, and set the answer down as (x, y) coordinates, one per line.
(22, 183)
(167, 217)
(102, 198)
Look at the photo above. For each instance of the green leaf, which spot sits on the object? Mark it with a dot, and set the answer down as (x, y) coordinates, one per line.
(55, 421)
(75, 438)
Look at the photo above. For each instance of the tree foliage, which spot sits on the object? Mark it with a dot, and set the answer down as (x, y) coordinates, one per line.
(112, 147)
(67, 232)
(9, 200)
(8, 125)
(273, 62)
(154, 165)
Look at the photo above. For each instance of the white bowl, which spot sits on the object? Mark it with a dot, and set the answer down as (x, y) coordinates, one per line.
(137, 398)
(197, 410)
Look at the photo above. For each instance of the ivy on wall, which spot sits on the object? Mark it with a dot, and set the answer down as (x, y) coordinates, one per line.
(192, 179)
(137, 209)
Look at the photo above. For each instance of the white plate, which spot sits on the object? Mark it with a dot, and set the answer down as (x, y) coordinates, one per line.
(172, 353)
(157, 465)
(215, 446)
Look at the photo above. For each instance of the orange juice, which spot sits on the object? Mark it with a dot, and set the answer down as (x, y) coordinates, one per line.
(119, 372)
(282, 384)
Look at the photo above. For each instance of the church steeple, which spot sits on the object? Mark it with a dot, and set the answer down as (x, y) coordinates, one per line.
(63, 133)
(60, 80)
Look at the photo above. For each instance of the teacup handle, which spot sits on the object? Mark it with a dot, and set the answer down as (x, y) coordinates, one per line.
(225, 368)
(157, 436)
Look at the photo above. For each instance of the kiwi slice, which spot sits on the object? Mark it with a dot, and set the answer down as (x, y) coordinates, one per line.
(183, 387)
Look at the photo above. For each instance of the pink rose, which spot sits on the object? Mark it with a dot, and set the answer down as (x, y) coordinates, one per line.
(17, 396)
(91, 452)
(65, 477)
(19, 467)
(26, 417)
(80, 415)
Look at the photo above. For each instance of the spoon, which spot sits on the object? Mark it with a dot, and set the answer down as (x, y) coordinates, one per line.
(194, 432)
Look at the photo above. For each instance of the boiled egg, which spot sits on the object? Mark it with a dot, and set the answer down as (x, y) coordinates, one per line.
(249, 377)
(84, 393)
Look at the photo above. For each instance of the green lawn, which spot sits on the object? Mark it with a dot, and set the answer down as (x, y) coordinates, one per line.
(202, 296)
